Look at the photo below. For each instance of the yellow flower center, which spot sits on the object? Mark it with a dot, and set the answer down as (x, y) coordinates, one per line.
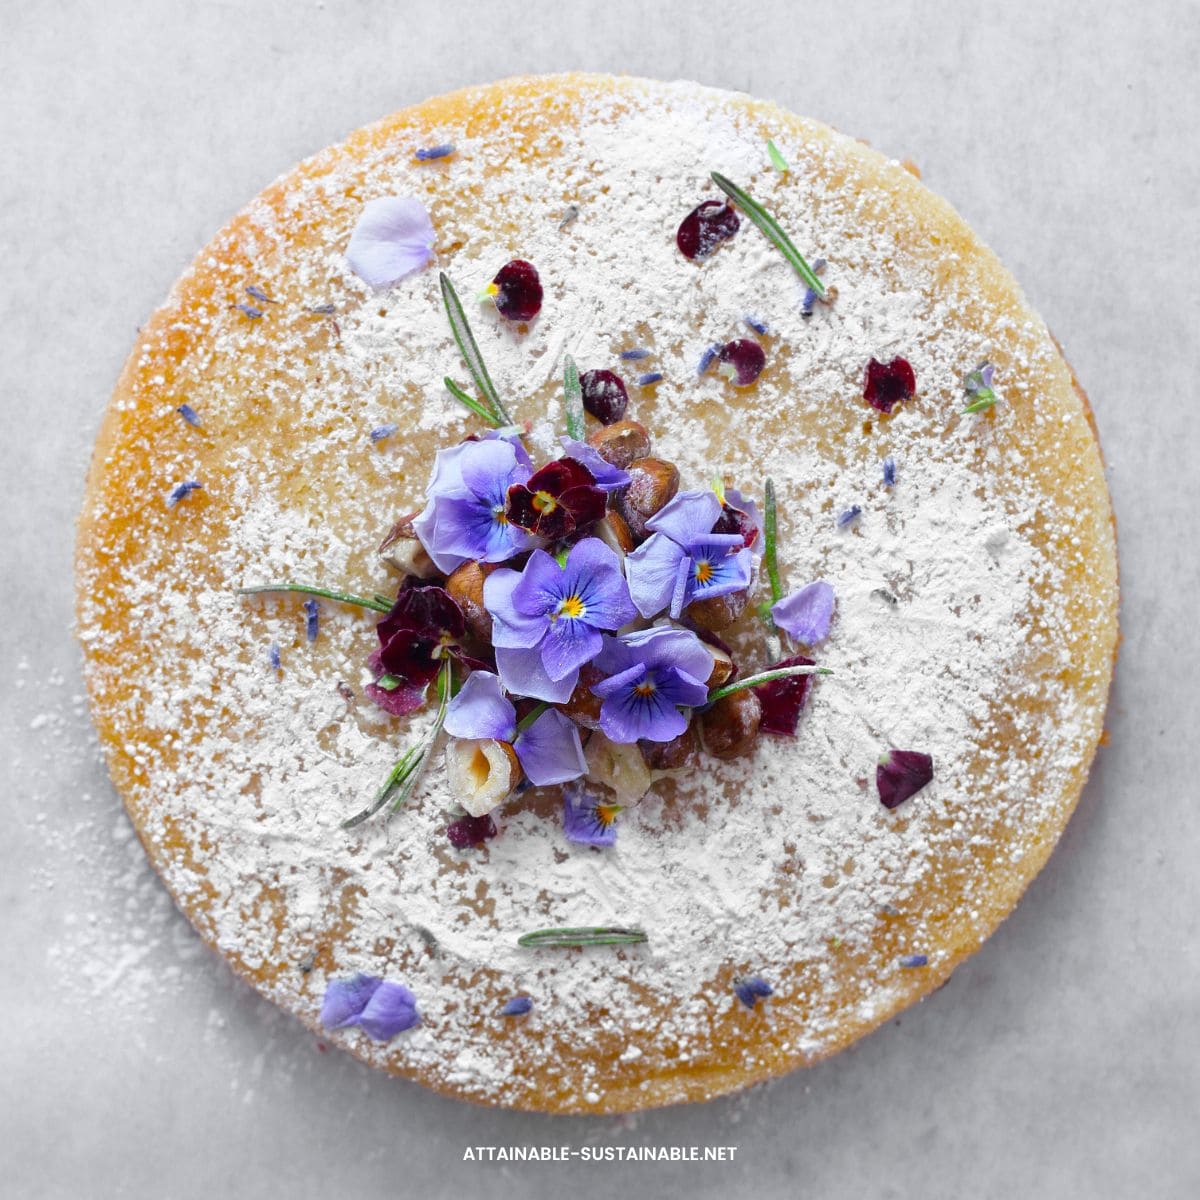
(645, 688)
(606, 814)
(704, 571)
(570, 606)
(544, 502)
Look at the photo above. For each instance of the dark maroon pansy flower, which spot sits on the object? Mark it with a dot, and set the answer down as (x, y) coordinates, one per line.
(783, 699)
(517, 291)
(737, 520)
(901, 774)
(887, 384)
(604, 395)
(471, 831)
(742, 361)
(557, 500)
(705, 227)
(424, 624)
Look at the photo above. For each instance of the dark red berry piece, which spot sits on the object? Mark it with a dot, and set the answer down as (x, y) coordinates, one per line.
(604, 395)
(783, 700)
(887, 384)
(471, 831)
(705, 227)
(901, 774)
(518, 291)
(742, 361)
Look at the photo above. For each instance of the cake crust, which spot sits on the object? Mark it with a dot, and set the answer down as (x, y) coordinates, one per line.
(220, 784)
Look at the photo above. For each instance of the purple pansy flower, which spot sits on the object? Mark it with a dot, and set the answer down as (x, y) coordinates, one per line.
(806, 615)
(587, 819)
(393, 238)
(380, 1007)
(464, 518)
(685, 560)
(608, 478)
(651, 673)
(549, 750)
(547, 620)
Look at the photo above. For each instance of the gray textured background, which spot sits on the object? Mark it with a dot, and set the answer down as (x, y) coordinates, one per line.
(1061, 1061)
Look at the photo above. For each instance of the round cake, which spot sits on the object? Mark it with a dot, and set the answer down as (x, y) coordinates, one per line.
(719, 305)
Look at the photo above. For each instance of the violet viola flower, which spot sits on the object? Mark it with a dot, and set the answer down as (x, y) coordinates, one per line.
(393, 238)
(608, 478)
(651, 674)
(806, 615)
(547, 620)
(380, 1007)
(588, 820)
(685, 560)
(549, 750)
(464, 518)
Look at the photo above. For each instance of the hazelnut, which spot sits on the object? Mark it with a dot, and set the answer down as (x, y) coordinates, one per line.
(722, 668)
(466, 586)
(402, 550)
(716, 612)
(481, 773)
(621, 443)
(730, 727)
(614, 532)
(653, 484)
(618, 766)
(583, 707)
(670, 756)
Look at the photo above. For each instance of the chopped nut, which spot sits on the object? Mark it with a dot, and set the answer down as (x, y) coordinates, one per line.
(583, 707)
(716, 612)
(621, 443)
(670, 756)
(618, 766)
(730, 727)
(466, 586)
(653, 484)
(481, 773)
(722, 668)
(402, 550)
(614, 532)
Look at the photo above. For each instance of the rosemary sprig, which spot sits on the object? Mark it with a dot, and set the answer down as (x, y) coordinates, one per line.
(470, 402)
(573, 402)
(468, 348)
(402, 779)
(765, 677)
(771, 540)
(594, 935)
(771, 228)
(377, 603)
(777, 159)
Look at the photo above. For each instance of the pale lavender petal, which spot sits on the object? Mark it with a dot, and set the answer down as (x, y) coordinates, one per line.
(606, 475)
(652, 569)
(663, 646)
(683, 575)
(688, 517)
(568, 644)
(345, 1000)
(522, 674)
(488, 467)
(428, 528)
(481, 710)
(447, 470)
(391, 1010)
(541, 586)
(549, 750)
(806, 614)
(511, 629)
(393, 237)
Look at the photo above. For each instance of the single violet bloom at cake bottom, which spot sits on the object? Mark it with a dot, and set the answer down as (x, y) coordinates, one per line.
(807, 614)
(549, 750)
(651, 674)
(549, 619)
(464, 518)
(588, 819)
(684, 560)
(379, 1007)
(393, 238)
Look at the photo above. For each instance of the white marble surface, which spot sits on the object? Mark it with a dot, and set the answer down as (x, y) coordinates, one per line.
(1062, 1061)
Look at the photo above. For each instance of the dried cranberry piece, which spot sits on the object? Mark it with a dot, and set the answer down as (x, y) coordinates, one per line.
(742, 361)
(887, 384)
(604, 395)
(902, 774)
(705, 227)
(518, 290)
(471, 831)
(783, 699)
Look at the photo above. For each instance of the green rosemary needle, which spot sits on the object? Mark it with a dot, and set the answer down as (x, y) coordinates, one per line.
(469, 350)
(377, 603)
(771, 540)
(771, 228)
(573, 399)
(765, 677)
(594, 935)
(777, 159)
(470, 402)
